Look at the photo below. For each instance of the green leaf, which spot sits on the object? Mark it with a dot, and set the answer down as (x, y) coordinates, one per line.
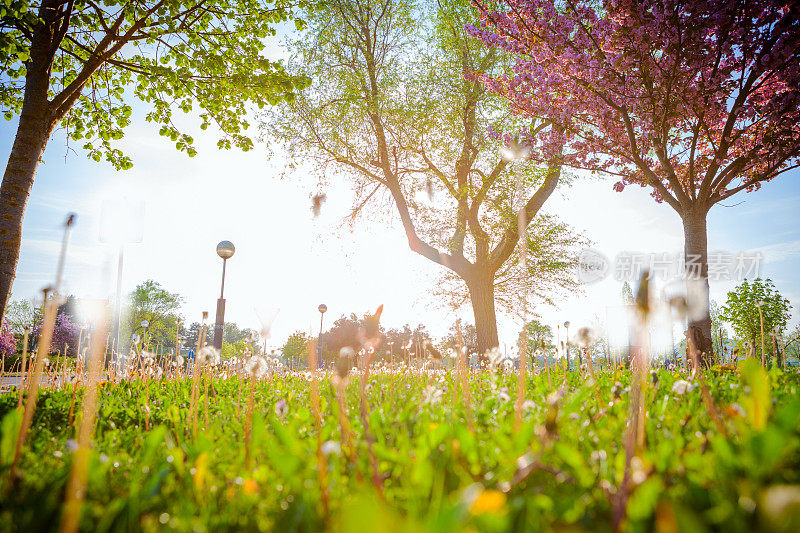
(757, 402)
(9, 430)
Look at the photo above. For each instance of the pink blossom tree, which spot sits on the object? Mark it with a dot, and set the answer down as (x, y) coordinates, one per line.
(8, 344)
(697, 100)
(65, 335)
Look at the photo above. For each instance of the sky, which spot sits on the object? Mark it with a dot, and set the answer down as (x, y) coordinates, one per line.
(287, 261)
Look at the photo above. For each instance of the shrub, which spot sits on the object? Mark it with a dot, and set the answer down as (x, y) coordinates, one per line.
(65, 332)
(8, 344)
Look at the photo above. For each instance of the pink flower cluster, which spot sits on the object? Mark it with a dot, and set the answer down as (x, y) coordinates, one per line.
(65, 333)
(8, 344)
(697, 99)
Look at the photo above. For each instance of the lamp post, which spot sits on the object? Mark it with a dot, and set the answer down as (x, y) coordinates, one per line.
(144, 325)
(225, 250)
(121, 222)
(322, 308)
(566, 326)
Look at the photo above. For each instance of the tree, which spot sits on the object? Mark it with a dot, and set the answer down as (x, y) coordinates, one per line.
(416, 339)
(697, 100)
(539, 336)
(343, 332)
(191, 335)
(240, 349)
(742, 311)
(70, 309)
(151, 302)
(8, 344)
(76, 63)
(600, 347)
(232, 334)
(790, 346)
(66, 334)
(296, 346)
(461, 334)
(391, 108)
(21, 314)
(547, 273)
(352, 331)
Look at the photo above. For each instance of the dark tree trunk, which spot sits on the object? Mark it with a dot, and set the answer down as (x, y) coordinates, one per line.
(33, 132)
(481, 293)
(28, 147)
(696, 258)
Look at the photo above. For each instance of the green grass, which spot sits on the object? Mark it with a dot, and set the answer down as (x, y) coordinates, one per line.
(440, 467)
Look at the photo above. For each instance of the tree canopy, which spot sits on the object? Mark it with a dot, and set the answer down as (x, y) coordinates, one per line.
(170, 55)
(742, 311)
(151, 302)
(390, 107)
(697, 100)
(80, 64)
(296, 346)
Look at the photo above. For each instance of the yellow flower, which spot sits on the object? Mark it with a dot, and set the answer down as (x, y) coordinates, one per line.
(488, 501)
(199, 471)
(250, 486)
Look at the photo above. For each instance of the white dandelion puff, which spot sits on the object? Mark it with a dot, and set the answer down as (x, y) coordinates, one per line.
(256, 366)
(329, 447)
(681, 387)
(208, 355)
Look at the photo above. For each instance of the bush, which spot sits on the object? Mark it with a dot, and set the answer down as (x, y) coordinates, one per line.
(8, 344)
(65, 332)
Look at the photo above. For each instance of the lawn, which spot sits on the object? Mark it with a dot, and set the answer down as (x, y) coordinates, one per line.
(417, 451)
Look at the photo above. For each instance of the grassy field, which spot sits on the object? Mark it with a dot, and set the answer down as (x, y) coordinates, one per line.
(410, 451)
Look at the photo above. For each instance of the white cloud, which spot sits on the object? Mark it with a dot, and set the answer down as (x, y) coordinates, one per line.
(781, 251)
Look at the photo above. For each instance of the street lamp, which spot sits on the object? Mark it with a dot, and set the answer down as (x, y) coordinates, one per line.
(144, 325)
(566, 325)
(322, 308)
(121, 222)
(225, 250)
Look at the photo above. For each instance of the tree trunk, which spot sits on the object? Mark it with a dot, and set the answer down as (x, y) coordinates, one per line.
(29, 144)
(30, 141)
(33, 132)
(696, 260)
(481, 293)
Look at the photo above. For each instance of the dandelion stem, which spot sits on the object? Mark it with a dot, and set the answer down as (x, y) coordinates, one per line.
(76, 486)
(315, 408)
(33, 393)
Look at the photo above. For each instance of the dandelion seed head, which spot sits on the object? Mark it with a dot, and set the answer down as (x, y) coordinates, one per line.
(585, 337)
(266, 318)
(681, 387)
(256, 366)
(432, 395)
(330, 447)
(345, 361)
(503, 395)
(316, 203)
(208, 355)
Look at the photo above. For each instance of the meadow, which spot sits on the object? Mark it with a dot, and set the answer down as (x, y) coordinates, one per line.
(401, 448)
